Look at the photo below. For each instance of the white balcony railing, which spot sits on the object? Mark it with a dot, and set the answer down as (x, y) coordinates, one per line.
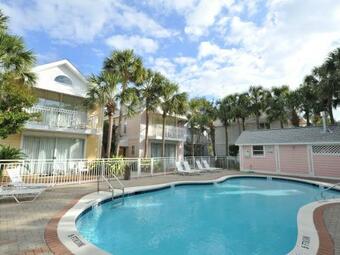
(61, 118)
(171, 132)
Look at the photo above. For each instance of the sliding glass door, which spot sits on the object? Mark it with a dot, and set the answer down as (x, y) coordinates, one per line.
(54, 154)
(170, 150)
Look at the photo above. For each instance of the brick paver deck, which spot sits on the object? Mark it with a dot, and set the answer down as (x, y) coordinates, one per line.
(331, 217)
(22, 226)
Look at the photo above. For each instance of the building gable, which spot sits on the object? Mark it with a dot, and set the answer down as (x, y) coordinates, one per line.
(61, 77)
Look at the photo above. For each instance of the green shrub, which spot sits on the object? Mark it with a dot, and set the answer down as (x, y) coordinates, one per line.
(233, 150)
(9, 153)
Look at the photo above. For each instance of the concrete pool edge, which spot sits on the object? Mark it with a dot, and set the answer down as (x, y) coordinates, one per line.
(69, 237)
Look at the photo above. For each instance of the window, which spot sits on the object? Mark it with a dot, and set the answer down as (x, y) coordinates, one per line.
(258, 150)
(63, 79)
(133, 150)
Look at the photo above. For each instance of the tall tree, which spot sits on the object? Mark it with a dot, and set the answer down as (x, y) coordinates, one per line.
(16, 80)
(172, 102)
(150, 92)
(225, 114)
(129, 68)
(328, 77)
(201, 117)
(243, 103)
(102, 92)
(257, 98)
(307, 98)
(293, 105)
(277, 105)
(211, 114)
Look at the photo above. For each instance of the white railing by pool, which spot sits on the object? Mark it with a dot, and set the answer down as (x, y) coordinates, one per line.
(62, 118)
(171, 132)
(82, 171)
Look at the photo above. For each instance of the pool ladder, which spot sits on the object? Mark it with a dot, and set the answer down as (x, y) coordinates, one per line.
(111, 187)
(322, 193)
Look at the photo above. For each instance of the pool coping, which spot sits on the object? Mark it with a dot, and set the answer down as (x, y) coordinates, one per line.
(67, 237)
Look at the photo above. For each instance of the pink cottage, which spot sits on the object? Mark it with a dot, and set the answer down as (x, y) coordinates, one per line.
(309, 151)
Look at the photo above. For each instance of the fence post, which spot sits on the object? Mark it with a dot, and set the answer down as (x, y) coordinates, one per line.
(139, 167)
(151, 166)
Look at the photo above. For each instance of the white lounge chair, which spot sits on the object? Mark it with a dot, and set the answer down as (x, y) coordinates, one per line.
(188, 168)
(21, 191)
(207, 167)
(199, 165)
(180, 169)
(16, 181)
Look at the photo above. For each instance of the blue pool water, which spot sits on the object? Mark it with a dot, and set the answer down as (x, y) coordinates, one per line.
(239, 216)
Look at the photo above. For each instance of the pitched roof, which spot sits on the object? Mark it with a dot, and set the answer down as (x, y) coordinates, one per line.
(306, 135)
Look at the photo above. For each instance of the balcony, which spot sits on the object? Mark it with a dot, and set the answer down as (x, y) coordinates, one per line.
(171, 132)
(63, 120)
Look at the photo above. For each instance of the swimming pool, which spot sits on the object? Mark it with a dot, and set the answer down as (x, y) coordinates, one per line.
(237, 216)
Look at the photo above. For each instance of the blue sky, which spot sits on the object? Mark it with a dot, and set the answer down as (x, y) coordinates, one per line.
(210, 47)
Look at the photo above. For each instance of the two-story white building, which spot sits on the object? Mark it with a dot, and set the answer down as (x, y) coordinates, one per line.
(133, 140)
(65, 129)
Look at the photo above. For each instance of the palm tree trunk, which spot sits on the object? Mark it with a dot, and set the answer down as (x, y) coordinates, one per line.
(257, 120)
(119, 130)
(239, 126)
(226, 139)
(243, 124)
(330, 111)
(163, 135)
(281, 123)
(117, 138)
(307, 118)
(212, 133)
(192, 142)
(109, 136)
(146, 140)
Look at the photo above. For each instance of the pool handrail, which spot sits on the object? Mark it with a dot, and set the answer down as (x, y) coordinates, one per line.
(329, 188)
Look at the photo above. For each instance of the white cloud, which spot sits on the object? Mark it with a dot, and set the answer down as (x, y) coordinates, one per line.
(199, 14)
(79, 21)
(139, 44)
(165, 66)
(280, 49)
(203, 16)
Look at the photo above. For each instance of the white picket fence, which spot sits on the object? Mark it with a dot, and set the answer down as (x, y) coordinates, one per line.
(82, 171)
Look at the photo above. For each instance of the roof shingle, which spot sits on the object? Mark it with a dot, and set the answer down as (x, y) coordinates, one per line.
(306, 135)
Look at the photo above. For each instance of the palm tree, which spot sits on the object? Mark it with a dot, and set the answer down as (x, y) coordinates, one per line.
(307, 97)
(257, 98)
(211, 115)
(193, 115)
(244, 106)
(172, 102)
(225, 114)
(103, 93)
(328, 77)
(16, 81)
(235, 110)
(150, 96)
(277, 102)
(293, 104)
(129, 69)
(15, 61)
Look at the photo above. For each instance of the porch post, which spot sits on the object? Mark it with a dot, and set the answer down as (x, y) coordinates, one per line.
(151, 166)
(139, 167)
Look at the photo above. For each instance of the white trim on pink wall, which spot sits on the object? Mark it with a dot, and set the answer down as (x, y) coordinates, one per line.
(277, 157)
(241, 157)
